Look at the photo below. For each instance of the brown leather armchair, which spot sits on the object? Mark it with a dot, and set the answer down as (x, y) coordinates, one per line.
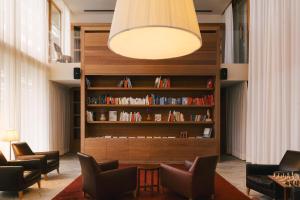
(257, 175)
(49, 160)
(197, 180)
(105, 181)
(19, 175)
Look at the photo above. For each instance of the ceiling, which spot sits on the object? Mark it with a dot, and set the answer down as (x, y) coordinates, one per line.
(78, 6)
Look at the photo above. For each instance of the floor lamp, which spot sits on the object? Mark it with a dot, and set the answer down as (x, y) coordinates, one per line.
(9, 136)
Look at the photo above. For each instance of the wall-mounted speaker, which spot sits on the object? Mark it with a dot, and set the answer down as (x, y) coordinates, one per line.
(76, 73)
(223, 75)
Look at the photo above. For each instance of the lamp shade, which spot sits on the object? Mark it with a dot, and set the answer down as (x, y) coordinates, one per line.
(9, 136)
(154, 29)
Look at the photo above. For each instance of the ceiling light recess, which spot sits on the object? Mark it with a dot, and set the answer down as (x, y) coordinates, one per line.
(154, 29)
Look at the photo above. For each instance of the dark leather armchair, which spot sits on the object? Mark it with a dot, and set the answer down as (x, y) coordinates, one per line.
(49, 160)
(257, 175)
(197, 180)
(19, 175)
(105, 181)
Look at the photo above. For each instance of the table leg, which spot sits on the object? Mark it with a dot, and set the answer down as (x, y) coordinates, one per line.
(158, 180)
(152, 175)
(145, 180)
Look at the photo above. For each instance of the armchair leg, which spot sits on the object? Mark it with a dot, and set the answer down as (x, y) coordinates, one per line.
(39, 184)
(248, 191)
(20, 194)
(45, 177)
(57, 170)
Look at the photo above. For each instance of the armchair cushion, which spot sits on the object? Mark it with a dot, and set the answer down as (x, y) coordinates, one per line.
(118, 181)
(261, 180)
(109, 165)
(255, 169)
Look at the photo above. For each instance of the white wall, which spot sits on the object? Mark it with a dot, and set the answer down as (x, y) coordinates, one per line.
(107, 18)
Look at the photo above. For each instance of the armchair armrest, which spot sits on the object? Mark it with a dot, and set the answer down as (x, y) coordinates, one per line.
(31, 157)
(109, 165)
(27, 164)
(188, 164)
(11, 176)
(49, 154)
(255, 169)
(176, 179)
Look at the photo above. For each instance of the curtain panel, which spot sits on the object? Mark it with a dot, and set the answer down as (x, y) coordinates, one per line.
(229, 46)
(273, 121)
(236, 108)
(23, 71)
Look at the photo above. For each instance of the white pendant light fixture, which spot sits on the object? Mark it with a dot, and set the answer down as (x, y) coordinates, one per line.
(154, 29)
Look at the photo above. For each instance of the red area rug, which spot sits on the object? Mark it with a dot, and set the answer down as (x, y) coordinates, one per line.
(224, 191)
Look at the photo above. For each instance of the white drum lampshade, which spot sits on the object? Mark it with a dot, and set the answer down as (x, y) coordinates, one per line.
(154, 29)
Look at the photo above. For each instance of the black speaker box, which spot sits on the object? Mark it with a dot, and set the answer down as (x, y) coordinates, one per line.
(223, 75)
(76, 73)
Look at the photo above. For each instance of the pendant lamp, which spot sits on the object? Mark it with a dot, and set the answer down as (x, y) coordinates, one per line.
(154, 29)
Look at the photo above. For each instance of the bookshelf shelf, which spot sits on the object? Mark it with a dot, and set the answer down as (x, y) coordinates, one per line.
(146, 106)
(149, 89)
(151, 123)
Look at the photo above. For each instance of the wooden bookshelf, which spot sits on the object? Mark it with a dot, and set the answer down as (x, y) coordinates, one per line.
(188, 75)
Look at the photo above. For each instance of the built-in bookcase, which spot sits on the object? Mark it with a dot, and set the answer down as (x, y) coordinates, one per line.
(192, 89)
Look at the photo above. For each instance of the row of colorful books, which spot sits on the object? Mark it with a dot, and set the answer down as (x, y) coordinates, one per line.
(207, 100)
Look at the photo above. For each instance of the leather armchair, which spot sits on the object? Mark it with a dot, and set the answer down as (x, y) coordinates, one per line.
(49, 160)
(197, 180)
(257, 175)
(19, 175)
(104, 180)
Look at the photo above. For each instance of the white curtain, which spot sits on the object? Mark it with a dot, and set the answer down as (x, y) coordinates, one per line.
(229, 49)
(236, 115)
(273, 122)
(59, 117)
(23, 72)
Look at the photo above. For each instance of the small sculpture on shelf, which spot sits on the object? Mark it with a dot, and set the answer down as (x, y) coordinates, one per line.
(210, 84)
(157, 117)
(208, 117)
(102, 115)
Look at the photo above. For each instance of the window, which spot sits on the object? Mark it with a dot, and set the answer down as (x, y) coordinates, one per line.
(55, 30)
(240, 23)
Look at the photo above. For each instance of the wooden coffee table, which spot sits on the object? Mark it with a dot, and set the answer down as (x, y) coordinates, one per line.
(286, 188)
(148, 168)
